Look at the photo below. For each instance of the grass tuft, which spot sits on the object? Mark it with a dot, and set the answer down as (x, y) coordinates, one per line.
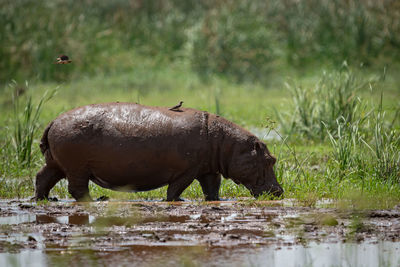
(336, 96)
(25, 124)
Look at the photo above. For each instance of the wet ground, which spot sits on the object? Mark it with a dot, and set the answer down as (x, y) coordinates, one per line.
(226, 233)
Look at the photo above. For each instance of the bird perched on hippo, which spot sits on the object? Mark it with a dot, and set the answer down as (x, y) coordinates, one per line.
(132, 147)
(177, 107)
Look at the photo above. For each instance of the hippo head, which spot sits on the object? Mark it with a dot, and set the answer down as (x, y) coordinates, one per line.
(252, 165)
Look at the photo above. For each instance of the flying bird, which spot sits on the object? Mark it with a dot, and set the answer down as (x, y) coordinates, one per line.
(176, 108)
(63, 59)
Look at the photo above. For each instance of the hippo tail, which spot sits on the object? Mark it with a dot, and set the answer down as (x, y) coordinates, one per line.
(44, 144)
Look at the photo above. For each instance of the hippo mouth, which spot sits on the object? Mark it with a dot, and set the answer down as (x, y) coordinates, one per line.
(276, 191)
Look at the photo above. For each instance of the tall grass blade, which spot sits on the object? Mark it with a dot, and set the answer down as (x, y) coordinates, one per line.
(24, 126)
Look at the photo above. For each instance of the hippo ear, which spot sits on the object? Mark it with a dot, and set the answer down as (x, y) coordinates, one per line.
(272, 159)
(258, 146)
(261, 148)
(256, 149)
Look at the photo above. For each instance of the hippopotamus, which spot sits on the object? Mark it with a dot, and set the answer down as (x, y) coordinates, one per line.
(132, 147)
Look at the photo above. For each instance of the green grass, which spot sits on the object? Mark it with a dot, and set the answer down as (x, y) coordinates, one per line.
(26, 123)
(309, 169)
(244, 40)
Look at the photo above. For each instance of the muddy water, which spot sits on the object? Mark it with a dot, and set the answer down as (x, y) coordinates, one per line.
(190, 234)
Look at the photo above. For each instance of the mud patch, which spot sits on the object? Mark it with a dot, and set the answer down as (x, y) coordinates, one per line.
(226, 233)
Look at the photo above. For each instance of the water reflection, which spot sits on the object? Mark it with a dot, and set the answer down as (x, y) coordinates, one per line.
(79, 219)
(17, 219)
(24, 258)
(75, 219)
(336, 254)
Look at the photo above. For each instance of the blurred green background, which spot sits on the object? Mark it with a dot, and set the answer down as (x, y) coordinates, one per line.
(243, 40)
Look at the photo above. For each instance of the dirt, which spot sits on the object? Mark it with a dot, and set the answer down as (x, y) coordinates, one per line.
(153, 232)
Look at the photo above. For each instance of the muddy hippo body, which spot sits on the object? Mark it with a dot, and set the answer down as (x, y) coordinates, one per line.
(132, 147)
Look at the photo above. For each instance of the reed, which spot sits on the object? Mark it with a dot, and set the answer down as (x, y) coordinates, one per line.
(25, 124)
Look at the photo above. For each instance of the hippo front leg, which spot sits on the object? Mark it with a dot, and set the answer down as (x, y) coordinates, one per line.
(78, 186)
(210, 184)
(176, 188)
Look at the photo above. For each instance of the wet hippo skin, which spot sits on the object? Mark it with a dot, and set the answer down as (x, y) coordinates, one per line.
(131, 147)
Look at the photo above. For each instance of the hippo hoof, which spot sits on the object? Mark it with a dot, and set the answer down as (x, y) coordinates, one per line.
(176, 199)
(103, 198)
(36, 198)
(212, 199)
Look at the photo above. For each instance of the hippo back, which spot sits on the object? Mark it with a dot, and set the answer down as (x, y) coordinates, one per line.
(130, 143)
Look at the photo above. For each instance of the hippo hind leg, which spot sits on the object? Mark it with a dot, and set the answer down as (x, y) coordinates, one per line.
(210, 184)
(176, 187)
(46, 179)
(78, 185)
